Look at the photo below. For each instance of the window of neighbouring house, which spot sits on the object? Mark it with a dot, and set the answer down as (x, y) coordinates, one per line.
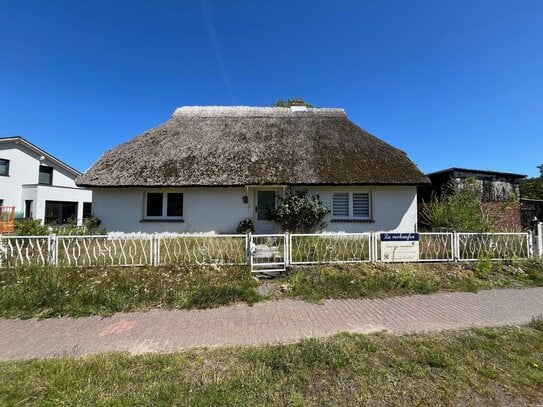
(60, 213)
(28, 209)
(351, 205)
(4, 167)
(46, 175)
(164, 205)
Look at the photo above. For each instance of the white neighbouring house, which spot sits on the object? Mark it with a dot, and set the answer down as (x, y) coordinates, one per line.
(39, 185)
(208, 168)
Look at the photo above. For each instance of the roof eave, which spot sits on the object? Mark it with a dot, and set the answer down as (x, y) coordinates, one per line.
(37, 150)
(288, 184)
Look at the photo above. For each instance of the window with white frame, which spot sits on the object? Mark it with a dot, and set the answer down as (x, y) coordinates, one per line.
(164, 205)
(351, 205)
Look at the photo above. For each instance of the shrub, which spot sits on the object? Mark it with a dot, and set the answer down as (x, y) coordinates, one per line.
(456, 208)
(483, 266)
(30, 227)
(537, 322)
(90, 226)
(298, 212)
(245, 226)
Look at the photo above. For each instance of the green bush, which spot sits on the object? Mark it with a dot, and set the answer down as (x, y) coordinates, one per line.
(90, 226)
(245, 226)
(299, 213)
(456, 208)
(30, 227)
(461, 208)
(483, 267)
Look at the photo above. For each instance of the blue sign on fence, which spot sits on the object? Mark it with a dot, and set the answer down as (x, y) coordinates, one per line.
(399, 237)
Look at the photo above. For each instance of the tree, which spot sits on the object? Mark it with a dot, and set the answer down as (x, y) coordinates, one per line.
(532, 188)
(299, 213)
(460, 207)
(291, 102)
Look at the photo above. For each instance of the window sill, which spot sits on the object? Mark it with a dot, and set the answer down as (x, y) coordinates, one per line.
(352, 220)
(178, 220)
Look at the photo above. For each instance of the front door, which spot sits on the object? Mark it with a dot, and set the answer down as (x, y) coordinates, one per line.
(265, 200)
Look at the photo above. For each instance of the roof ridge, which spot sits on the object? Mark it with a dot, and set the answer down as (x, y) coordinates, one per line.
(233, 111)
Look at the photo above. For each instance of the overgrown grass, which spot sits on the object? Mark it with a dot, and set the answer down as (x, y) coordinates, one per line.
(477, 367)
(47, 291)
(382, 279)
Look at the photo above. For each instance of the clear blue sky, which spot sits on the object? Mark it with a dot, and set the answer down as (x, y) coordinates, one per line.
(453, 83)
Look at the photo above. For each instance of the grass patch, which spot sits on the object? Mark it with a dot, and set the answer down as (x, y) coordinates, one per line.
(484, 366)
(48, 291)
(378, 280)
(64, 291)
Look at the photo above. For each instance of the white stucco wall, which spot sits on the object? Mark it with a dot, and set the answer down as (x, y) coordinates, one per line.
(51, 193)
(394, 208)
(204, 210)
(22, 182)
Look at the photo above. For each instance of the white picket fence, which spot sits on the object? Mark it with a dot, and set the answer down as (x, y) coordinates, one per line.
(263, 253)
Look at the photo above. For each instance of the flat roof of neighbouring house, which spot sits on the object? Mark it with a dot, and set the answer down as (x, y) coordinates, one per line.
(489, 172)
(243, 145)
(37, 150)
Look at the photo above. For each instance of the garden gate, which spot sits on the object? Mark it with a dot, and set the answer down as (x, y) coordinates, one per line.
(268, 254)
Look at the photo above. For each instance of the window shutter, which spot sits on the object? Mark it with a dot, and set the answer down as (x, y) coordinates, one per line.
(340, 204)
(361, 205)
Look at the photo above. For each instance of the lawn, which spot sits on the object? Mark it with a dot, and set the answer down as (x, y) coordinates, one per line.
(46, 291)
(476, 367)
(379, 280)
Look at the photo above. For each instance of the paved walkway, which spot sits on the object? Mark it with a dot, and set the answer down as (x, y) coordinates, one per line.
(267, 322)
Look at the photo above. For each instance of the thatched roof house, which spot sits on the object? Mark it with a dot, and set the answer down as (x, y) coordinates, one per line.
(203, 160)
(236, 146)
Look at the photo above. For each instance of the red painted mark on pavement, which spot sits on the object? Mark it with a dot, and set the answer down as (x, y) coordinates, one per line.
(118, 328)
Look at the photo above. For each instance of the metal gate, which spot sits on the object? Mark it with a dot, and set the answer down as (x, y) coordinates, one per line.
(268, 253)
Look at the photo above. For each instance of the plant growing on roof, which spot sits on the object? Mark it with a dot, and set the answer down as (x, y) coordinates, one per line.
(298, 212)
(291, 102)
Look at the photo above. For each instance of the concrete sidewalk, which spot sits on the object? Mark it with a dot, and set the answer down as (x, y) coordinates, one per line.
(267, 322)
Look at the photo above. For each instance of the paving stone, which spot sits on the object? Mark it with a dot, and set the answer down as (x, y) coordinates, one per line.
(282, 321)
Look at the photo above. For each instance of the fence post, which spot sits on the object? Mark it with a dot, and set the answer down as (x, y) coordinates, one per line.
(247, 246)
(530, 244)
(155, 249)
(456, 246)
(373, 244)
(287, 249)
(250, 250)
(540, 239)
(53, 249)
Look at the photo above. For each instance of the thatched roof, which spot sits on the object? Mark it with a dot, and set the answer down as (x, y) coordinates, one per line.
(216, 146)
